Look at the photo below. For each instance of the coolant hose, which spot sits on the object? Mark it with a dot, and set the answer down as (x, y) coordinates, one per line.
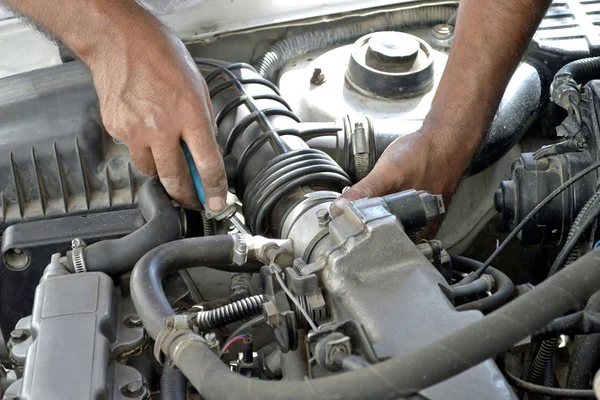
(505, 289)
(173, 384)
(402, 375)
(269, 64)
(118, 256)
(146, 290)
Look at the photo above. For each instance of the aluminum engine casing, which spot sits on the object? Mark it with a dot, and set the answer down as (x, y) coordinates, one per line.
(77, 333)
(375, 275)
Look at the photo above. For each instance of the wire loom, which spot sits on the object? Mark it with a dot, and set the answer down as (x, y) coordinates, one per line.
(289, 169)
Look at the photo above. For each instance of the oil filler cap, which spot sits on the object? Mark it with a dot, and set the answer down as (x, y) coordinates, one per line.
(390, 65)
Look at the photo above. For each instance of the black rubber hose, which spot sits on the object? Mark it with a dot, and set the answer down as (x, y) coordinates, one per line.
(269, 64)
(477, 286)
(409, 373)
(581, 70)
(147, 293)
(173, 384)
(505, 289)
(163, 224)
(583, 322)
(586, 353)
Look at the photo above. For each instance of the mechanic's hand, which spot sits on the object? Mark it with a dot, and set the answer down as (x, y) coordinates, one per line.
(413, 161)
(152, 97)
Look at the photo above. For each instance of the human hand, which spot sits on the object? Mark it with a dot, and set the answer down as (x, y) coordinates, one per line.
(151, 98)
(415, 161)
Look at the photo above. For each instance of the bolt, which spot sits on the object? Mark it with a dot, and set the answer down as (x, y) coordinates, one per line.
(133, 321)
(318, 77)
(211, 340)
(443, 31)
(19, 335)
(77, 243)
(133, 389)
(323, 217)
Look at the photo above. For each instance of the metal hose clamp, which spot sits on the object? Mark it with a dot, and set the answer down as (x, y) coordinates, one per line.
(77, 246)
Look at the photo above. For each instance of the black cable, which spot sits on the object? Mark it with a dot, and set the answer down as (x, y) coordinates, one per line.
(584, 220)
(548, 391)
(471, 277)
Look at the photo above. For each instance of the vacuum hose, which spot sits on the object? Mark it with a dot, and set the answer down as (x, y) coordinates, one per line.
(399, 376)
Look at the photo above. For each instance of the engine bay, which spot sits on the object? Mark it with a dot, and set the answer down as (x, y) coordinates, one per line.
(111, 290)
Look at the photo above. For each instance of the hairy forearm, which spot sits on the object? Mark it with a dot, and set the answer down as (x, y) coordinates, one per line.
(91, 28)
(490, 39)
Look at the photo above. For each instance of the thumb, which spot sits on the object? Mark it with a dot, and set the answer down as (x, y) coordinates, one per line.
(372, 185)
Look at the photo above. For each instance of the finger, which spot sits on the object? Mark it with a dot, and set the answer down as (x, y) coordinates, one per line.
(375, 184)
(143, 160)
(174, 174)
(200, 139)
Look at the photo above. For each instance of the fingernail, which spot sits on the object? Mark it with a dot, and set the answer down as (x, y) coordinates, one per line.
(337, 206)
(215, 203)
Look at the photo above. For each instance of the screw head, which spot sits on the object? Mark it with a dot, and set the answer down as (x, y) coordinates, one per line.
(442, 31)
(19, 335)
(133, 321)
(318, 77)
(133, 389)
(77, 243)
(323, 216)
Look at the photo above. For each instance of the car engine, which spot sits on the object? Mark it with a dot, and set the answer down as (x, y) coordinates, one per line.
(111, 290)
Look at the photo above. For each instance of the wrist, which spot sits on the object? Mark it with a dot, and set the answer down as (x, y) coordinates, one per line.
(111, 28)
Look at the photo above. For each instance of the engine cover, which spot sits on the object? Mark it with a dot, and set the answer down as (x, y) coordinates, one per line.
(75, 330)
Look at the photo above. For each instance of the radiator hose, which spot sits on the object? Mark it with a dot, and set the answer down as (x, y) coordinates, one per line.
(118, 256)
(399, 376)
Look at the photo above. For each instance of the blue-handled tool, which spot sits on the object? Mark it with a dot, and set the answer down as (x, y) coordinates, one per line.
(194, 172)
(230, 207)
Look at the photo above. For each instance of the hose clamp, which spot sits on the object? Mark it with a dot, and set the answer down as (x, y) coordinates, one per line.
(174, 327)
(240, 252)
(77, 247)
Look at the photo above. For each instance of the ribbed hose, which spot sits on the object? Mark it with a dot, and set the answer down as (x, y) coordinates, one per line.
(269, 64)
(236, 311)
(208, 225)
(581, 70)
(548, 346)
(541, 360)
(173, 384)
